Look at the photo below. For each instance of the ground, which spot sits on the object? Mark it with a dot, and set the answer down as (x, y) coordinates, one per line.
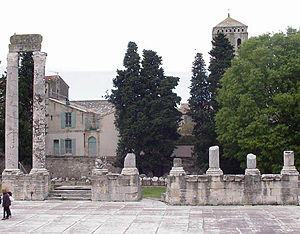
(147, 216)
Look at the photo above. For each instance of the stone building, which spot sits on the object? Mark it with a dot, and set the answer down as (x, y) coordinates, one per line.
(235, 31)
(56, 87)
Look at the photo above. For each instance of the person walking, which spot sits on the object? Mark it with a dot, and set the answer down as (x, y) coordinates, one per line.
(6, 203)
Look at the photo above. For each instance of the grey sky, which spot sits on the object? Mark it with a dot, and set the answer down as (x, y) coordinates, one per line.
(92, 35)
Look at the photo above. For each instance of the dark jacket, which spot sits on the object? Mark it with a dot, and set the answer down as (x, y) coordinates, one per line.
(6, 200)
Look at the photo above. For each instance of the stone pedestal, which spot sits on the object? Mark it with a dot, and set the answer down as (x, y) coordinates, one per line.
(251, 165)
(177, 169)
(130, 165)
(214, 163)
(289, 167)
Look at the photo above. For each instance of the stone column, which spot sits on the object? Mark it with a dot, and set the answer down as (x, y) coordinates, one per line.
(39, 114)
(214, 165)
(130, 165)
(177, 169)
(289, 167)
(251, 165)
(11, 115)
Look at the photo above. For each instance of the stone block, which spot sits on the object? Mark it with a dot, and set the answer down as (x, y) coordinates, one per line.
(25, 43)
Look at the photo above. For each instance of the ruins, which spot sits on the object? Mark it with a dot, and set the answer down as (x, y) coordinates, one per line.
(33, 186)
(214, 188)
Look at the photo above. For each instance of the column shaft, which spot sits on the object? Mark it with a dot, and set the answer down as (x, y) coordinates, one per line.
(11, 113)
(39, 112)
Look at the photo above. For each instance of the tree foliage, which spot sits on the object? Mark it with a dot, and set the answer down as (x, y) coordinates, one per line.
(259, 100)
(200, 111)
(146, 114)
(25, 107)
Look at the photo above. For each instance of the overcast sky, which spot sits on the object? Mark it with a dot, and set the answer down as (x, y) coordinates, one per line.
(86, 40)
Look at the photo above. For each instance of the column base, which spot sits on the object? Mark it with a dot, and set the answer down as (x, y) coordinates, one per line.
(177, 171)
(39, 171)
(214, 172)
(289, 170)
(130, 171)
(12, 172)
(253, 171)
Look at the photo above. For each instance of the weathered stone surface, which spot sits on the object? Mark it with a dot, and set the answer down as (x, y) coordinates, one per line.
(214, 165)
(129, 161)
(11, 113)
(251, 165)
(177, 169)
(39, 112)
(251, 161)
(289, 168)
(25, 43)
(177, 162)
(130, 165)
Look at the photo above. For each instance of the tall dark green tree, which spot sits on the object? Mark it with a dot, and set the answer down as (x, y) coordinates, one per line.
(259, 98)
(124, 97)
(159, 107)
(25, 107)
(221, 55)
(146, 115)
(199, 103)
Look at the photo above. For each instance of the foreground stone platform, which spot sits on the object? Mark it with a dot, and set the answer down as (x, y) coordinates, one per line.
(147, 216)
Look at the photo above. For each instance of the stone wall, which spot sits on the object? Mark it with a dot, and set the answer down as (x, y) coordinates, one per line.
(232, 190)
(27, 186)
(74, 166)
(117, 187)
(214, 188)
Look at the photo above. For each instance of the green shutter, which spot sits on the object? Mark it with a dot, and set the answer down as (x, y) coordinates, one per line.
(62, 146)
(73, 146)
(63, 120)
(87, 123)
(73, 119)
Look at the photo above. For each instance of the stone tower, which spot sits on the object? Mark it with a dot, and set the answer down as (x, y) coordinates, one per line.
(235, 31)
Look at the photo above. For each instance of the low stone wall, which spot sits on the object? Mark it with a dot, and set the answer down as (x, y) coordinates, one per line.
(27, 186)
(232, 190)
(117, 187)
(214, 188)
(75, 167)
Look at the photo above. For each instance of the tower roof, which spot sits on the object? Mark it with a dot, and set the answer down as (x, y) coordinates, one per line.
(230, 22)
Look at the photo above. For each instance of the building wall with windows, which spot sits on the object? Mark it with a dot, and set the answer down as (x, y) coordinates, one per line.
(71, 130)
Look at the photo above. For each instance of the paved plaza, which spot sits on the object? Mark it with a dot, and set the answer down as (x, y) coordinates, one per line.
(147, 216)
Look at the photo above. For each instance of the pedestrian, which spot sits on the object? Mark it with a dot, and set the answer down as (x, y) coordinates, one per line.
(11, 198)
(6, 203)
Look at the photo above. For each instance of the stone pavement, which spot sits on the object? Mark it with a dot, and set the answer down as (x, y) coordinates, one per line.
(147, 216)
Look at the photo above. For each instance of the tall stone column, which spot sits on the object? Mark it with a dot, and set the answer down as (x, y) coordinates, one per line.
(11, 115)
(39, 114)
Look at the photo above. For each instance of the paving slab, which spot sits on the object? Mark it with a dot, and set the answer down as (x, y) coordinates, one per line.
(147, 216)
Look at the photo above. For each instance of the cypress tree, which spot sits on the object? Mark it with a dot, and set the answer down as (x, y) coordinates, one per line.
(25, 107)
(200, 111)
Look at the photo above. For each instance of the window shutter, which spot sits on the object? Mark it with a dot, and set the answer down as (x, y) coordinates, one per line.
(87, 123)
(73, 146)
(73, 119)
(98, 123)
(62, 146)
(63, 120)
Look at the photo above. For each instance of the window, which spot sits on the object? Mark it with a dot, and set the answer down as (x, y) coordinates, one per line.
(239, 41)
(56, 147)
(92, 146)
(68, 146)
(68, 119)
